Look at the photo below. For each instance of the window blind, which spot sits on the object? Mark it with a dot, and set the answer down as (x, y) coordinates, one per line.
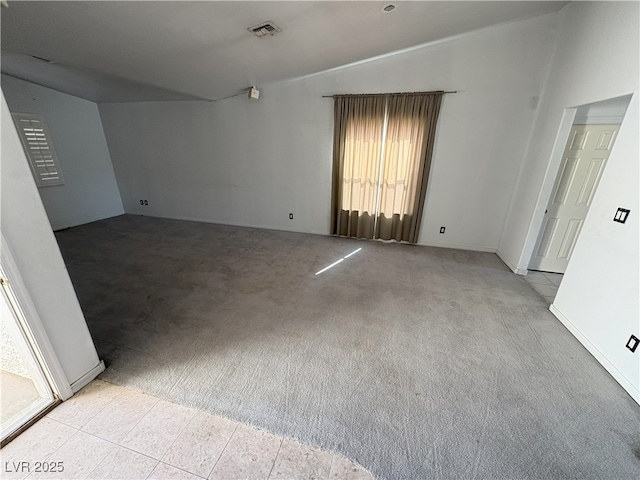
(38, 147)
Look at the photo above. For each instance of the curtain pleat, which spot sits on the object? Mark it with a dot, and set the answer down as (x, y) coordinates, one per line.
(406, 164)
(387, 204)
(356, 164)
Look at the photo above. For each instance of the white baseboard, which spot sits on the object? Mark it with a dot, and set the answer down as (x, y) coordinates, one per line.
(84, 380)
(593, 350)
(514, 269)
(231, 224)
(472, 248)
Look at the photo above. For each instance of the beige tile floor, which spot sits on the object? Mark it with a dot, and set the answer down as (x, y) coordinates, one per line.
(110, 432)
(545, 283)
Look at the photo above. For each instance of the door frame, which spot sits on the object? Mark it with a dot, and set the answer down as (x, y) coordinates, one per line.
(550, 175)
(560, 172)
(39, 337)
(32, 328)
(553, 167)
(46, 397)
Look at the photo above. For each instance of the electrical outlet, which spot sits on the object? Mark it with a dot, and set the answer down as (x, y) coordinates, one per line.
(291, 216)
(146, 203)
(141, 202)
(441, 229)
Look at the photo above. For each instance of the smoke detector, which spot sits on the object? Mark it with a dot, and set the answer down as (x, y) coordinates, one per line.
(265, 29)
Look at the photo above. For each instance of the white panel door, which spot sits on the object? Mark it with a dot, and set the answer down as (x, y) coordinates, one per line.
(583, 161)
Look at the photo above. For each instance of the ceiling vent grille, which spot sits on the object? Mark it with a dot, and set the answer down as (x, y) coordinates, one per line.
(266, 29)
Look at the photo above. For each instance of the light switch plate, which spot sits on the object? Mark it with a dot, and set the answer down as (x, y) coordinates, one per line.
(621, 215)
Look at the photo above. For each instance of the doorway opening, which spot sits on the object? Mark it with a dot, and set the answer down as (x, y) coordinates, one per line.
(586, 152)
(25, 391)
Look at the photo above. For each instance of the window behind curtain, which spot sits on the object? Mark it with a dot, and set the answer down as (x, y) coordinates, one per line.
(382, 155)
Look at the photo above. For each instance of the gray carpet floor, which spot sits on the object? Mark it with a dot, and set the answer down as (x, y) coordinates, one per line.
(416, 362)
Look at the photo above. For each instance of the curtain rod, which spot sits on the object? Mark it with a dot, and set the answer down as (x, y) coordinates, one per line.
(381, 94)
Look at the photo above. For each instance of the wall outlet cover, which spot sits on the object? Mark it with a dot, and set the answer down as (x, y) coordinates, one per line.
(621, 215)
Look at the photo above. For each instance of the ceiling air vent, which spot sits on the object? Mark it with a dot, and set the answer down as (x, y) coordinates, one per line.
(265, 29)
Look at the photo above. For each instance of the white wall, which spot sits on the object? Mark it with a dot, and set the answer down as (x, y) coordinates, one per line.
(596, 58)
(251, 163)
(599, 297)
(24, 225)
(90, 192)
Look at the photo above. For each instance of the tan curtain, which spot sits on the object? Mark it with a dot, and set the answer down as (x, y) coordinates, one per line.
(405, 166)
(380, 174)
(356, 164)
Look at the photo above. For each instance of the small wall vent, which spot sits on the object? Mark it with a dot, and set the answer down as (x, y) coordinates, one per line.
(266, 29)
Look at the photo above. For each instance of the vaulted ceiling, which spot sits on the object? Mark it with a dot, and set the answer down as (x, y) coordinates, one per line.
(174, 50)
